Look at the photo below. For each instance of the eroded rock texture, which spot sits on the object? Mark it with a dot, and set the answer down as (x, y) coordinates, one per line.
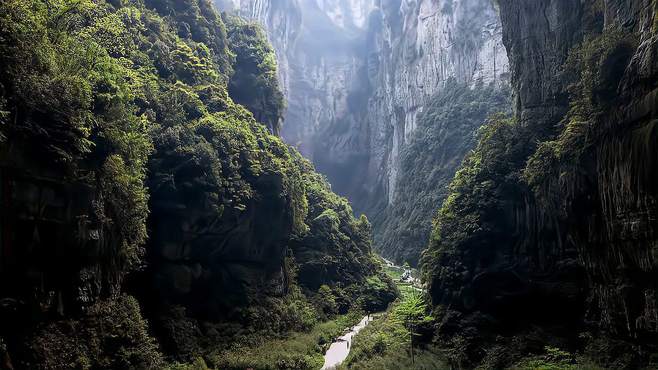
(550, 227)
(608, 208)
(358, 75)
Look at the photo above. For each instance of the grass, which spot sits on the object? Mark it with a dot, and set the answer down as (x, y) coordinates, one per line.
(425, 359)
(394, 272)
(406, 289)
(298, 351)
(555, 359)
(384, 344)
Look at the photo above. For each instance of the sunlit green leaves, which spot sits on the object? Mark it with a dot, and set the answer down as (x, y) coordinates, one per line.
(254, 82)
(412, 310)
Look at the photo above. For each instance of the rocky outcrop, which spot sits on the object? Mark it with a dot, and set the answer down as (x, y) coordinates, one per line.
(605, 182)
(551, 221)
(40, 204)
(415, 48)
(538, 38)
(446, 133)
(213, 257)
(358, 75)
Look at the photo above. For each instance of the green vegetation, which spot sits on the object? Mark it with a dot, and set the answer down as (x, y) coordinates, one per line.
(113, 335)
(411, 313)
(134, 107)
(70, 99)
(555, 359)
(394, 272)
(428, 162)
(467, 225)
(534, 214)
(139, 152)
(386, 343)
(294, 351)
(254, 83)
(595, 66)
(336, 250)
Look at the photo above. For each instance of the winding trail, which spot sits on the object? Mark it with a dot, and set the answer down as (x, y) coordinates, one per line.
(339, 349)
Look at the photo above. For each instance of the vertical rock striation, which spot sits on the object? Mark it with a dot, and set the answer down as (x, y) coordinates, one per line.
(358, 74)
(415, 48)
(591, 69)
(551, 223)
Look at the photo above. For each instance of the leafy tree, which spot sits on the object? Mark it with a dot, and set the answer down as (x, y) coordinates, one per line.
(255, 82)
(412, 312)
(327, 300)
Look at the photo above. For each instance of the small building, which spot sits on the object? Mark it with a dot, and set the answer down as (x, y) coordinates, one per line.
(406, 276)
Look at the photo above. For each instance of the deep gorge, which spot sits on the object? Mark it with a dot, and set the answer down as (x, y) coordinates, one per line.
(198, 185)
(361, 78)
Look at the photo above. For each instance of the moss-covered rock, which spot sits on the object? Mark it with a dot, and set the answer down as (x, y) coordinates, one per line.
(118, 118)
(547, 237)
(445, 134)
(254, 82)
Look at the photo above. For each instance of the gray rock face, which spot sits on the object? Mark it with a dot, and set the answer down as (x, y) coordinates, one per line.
(538, 36)
(357, 73)
(574, 242)
(418, 47)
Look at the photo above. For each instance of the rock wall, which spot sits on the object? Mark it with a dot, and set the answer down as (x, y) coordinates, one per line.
(415, 48)
(551, 221)
(446, 133)
(358, 74)
(608, 182)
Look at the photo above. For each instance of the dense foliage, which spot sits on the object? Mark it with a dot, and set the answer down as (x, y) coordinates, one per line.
(71, 99)
(445, 133)
(536, 228)
(255, 83)
(469, 224)
(387, 342)
(113, 335)
(118, 118)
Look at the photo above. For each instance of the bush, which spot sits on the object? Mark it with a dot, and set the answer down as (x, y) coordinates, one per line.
(445, 134)
(113, 336)
(555, 359)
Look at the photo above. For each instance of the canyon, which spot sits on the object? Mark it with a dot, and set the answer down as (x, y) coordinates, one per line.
(389, 118)
(187, 188)
(359, 76)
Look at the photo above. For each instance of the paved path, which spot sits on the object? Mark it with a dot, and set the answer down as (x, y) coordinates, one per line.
(339, 349)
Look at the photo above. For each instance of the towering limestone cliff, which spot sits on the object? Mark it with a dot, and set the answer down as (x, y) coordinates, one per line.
(147, 211)
(548, 237)
(359, 75)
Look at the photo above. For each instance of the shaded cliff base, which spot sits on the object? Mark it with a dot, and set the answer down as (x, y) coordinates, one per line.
(116, 334)
(547, 239)
(476, 340)
(145, 216)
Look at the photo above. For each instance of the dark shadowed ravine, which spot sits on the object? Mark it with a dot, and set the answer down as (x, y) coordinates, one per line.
(212, 184)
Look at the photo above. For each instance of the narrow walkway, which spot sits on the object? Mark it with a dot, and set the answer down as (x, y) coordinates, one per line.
(339, 349)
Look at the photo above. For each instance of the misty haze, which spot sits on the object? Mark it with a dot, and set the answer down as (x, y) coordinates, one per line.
(328, 184)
